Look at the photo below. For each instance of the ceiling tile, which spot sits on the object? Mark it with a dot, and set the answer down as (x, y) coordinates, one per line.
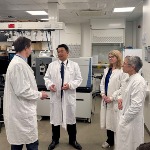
(71, 10)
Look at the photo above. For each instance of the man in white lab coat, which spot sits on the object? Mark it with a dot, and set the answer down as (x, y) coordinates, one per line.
(20, 99)
(62, 78)
(130, 131)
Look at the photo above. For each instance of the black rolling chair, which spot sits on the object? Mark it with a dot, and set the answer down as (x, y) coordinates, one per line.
(97, 92)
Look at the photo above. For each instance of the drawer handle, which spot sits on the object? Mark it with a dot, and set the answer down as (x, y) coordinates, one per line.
(80, 99)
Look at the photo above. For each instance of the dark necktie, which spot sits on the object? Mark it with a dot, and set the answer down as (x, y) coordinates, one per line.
(62, 76)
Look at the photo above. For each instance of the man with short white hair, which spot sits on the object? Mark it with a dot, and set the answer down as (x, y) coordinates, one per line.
(130, 131)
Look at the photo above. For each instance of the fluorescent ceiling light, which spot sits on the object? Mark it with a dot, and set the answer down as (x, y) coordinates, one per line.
(114, 24)
(124, 9)
(37, 12)
(45, 19)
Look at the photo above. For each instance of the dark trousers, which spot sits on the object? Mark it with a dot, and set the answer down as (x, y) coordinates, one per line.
(110, 137)
(71, 129)
(31, 146)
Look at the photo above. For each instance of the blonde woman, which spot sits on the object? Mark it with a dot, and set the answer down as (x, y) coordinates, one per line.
(111, 82)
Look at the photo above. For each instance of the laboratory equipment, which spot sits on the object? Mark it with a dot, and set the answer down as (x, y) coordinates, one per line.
(4, 62)
(40, 70)
(84, 91)
(45, 53)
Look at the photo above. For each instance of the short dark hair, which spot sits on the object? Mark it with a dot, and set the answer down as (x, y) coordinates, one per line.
(144, 146)
(64, 46)
(21, 43)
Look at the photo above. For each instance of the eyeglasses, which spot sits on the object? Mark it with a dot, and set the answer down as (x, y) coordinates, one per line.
(126, 64)
(110, 57)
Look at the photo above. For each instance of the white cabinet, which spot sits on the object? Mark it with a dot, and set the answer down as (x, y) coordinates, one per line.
(83, 107)
(43, 108)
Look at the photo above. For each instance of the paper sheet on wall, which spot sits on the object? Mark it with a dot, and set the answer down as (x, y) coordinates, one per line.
(132, 52)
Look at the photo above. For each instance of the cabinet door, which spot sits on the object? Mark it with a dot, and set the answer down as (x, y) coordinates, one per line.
(84, 105)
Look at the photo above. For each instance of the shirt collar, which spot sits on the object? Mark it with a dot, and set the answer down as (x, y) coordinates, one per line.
(25, 59)
(65, 62)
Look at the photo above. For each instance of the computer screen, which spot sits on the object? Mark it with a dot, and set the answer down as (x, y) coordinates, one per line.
(11, 55)
(4, 62)
(3, 37)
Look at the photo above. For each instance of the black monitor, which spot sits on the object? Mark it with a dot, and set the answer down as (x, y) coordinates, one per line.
(4, 62)
(11, 55)
(3, 37)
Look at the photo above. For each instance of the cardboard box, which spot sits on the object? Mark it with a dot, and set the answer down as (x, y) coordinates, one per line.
(3, 47)
(37, 46)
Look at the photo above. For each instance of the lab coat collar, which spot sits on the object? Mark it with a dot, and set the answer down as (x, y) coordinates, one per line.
(25, 59)
(113, 72)
(65, 62)
(131, 77)
(24, 62)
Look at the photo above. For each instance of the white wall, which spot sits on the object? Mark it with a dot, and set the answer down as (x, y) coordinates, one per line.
(86, 44)
(133, 33)
(107, 23)
(129, 34)
(146, 33)
(71, 35)
(139, 31)
(146, 72)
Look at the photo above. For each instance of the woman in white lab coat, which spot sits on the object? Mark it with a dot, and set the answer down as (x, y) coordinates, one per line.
(63, 95)
(20, 99)
(130, 130)
(111, 82)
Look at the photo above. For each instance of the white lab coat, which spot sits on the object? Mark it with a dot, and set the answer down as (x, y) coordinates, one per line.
(130, 131)
(108, 116)
(63, 111)
(20, 102)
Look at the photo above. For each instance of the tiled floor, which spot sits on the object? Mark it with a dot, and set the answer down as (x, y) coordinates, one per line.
(89, 135)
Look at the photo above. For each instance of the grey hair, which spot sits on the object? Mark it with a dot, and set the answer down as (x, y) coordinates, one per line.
(135, 61)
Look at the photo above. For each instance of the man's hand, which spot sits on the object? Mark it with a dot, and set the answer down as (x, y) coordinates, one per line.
(104, 97)
(44, 95)
(108, 100)
(53, 88)
(65, 86)
(120, 104)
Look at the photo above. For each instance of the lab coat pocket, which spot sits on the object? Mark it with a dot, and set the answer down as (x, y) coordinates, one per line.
(30, 125)
(71, 74)
(125, 130)
(71, 99)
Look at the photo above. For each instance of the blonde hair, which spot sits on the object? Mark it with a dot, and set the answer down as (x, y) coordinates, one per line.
(118, 55)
